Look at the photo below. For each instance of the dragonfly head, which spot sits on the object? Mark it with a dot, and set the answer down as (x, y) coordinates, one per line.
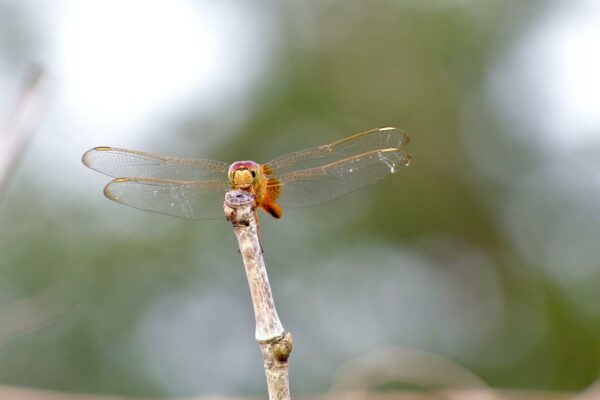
(243, 174)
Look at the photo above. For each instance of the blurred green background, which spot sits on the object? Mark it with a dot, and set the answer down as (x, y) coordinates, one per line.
(484, 252)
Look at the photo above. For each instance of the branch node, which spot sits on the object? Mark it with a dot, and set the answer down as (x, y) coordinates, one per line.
(282, 348)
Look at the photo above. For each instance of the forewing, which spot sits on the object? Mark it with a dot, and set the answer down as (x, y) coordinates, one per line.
(364, 142)
(186, 199)
(324, 173)
(119, 163)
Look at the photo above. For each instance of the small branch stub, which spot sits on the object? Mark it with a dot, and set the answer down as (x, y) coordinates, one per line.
(275, 343)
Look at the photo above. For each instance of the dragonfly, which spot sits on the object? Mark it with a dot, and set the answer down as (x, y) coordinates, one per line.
(195, 188)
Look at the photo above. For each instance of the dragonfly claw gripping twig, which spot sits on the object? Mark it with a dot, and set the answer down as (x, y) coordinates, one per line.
(275, 343)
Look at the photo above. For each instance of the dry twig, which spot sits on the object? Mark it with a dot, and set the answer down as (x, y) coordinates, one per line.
(274, 342)
(21, 124)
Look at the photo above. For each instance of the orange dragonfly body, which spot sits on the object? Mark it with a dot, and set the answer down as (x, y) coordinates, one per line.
(195, 188)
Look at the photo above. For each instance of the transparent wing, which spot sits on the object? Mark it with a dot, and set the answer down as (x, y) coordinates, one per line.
(324, 173)
(136, 164)
(186, 199)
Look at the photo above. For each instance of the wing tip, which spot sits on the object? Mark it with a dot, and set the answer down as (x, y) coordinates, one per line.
(86, 157)
(405, 138)
(108, 192)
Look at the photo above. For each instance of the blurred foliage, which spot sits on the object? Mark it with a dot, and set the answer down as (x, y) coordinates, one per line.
(150, 305)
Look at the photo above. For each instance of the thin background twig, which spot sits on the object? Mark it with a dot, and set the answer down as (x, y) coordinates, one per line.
(22, 122)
